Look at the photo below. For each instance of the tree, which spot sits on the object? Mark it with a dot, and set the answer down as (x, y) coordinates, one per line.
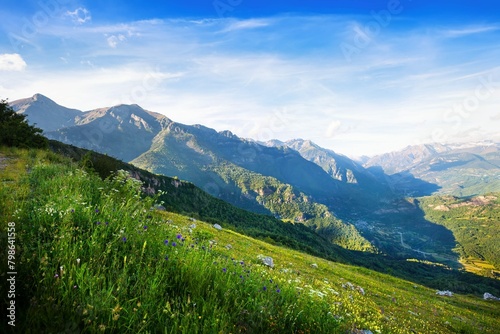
(15, 130)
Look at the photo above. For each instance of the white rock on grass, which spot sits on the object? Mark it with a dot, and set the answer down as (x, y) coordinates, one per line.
(489, 296)
(444, 293)
(267, 260)
(217, 227)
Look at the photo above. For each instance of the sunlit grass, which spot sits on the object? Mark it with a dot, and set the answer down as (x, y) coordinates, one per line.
(94, 257)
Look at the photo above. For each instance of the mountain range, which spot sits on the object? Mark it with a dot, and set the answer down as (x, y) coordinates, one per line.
(355, 205)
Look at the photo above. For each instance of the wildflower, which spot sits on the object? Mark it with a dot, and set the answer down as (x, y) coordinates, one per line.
(75, 286)
(107, 223)
(124, 239)
(56, 276)
(264, 288)
(278, 290)
(179, 236)
(145, 227)
(174, 244)
(165, 242)
(183, 239)
(96, 210)
(224, 269)
(98, 223)
(78, 261)
(166, 258)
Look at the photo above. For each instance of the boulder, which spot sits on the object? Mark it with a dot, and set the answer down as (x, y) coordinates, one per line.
(489, 296)
(444, 293)
(267, 260)
(217, 227)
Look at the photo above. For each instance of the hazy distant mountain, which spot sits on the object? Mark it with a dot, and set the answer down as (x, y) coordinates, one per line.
(338, 166)
(45, 113)
(460, 169)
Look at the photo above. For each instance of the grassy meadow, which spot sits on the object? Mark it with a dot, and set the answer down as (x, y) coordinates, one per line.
(95, 255)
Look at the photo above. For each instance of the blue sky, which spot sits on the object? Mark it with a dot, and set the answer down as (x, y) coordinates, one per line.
(358, 77)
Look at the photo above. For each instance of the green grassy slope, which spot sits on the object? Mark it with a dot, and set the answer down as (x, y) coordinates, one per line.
(187, 199)
(91, 256)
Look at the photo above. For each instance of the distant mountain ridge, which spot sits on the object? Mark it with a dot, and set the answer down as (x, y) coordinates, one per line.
(457, 169)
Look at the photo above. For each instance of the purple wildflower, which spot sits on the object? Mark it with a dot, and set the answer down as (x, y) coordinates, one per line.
(145, 227)
(179, 236)
(224, 269)
(174, 244)
(278, 290)
(165, 242)
(264, 288)
(124, 239)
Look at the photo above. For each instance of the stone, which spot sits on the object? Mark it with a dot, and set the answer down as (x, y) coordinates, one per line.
(217, 227)
(267, 260)
(444, 293)
(160, 207)
(489, 296)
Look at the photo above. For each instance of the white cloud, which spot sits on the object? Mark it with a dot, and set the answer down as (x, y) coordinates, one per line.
(332, 128)
(114, 40)
(12, 62)
(80, 15)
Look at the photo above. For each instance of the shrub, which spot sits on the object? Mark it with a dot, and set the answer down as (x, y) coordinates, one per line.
(15, 131)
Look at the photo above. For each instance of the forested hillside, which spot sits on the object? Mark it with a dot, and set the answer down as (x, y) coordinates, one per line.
(475, 223)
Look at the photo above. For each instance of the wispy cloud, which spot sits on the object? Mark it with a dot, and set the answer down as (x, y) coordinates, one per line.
(247, 24)
(80, 15)
(469, 30)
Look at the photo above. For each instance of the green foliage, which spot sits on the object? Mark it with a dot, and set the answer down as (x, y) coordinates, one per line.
(473, 221)
(15, 131)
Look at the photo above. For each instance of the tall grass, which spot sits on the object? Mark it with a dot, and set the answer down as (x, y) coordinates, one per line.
(93, 256)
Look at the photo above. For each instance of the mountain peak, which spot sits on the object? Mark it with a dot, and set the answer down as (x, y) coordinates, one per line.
(40, 97)
(45, 113)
